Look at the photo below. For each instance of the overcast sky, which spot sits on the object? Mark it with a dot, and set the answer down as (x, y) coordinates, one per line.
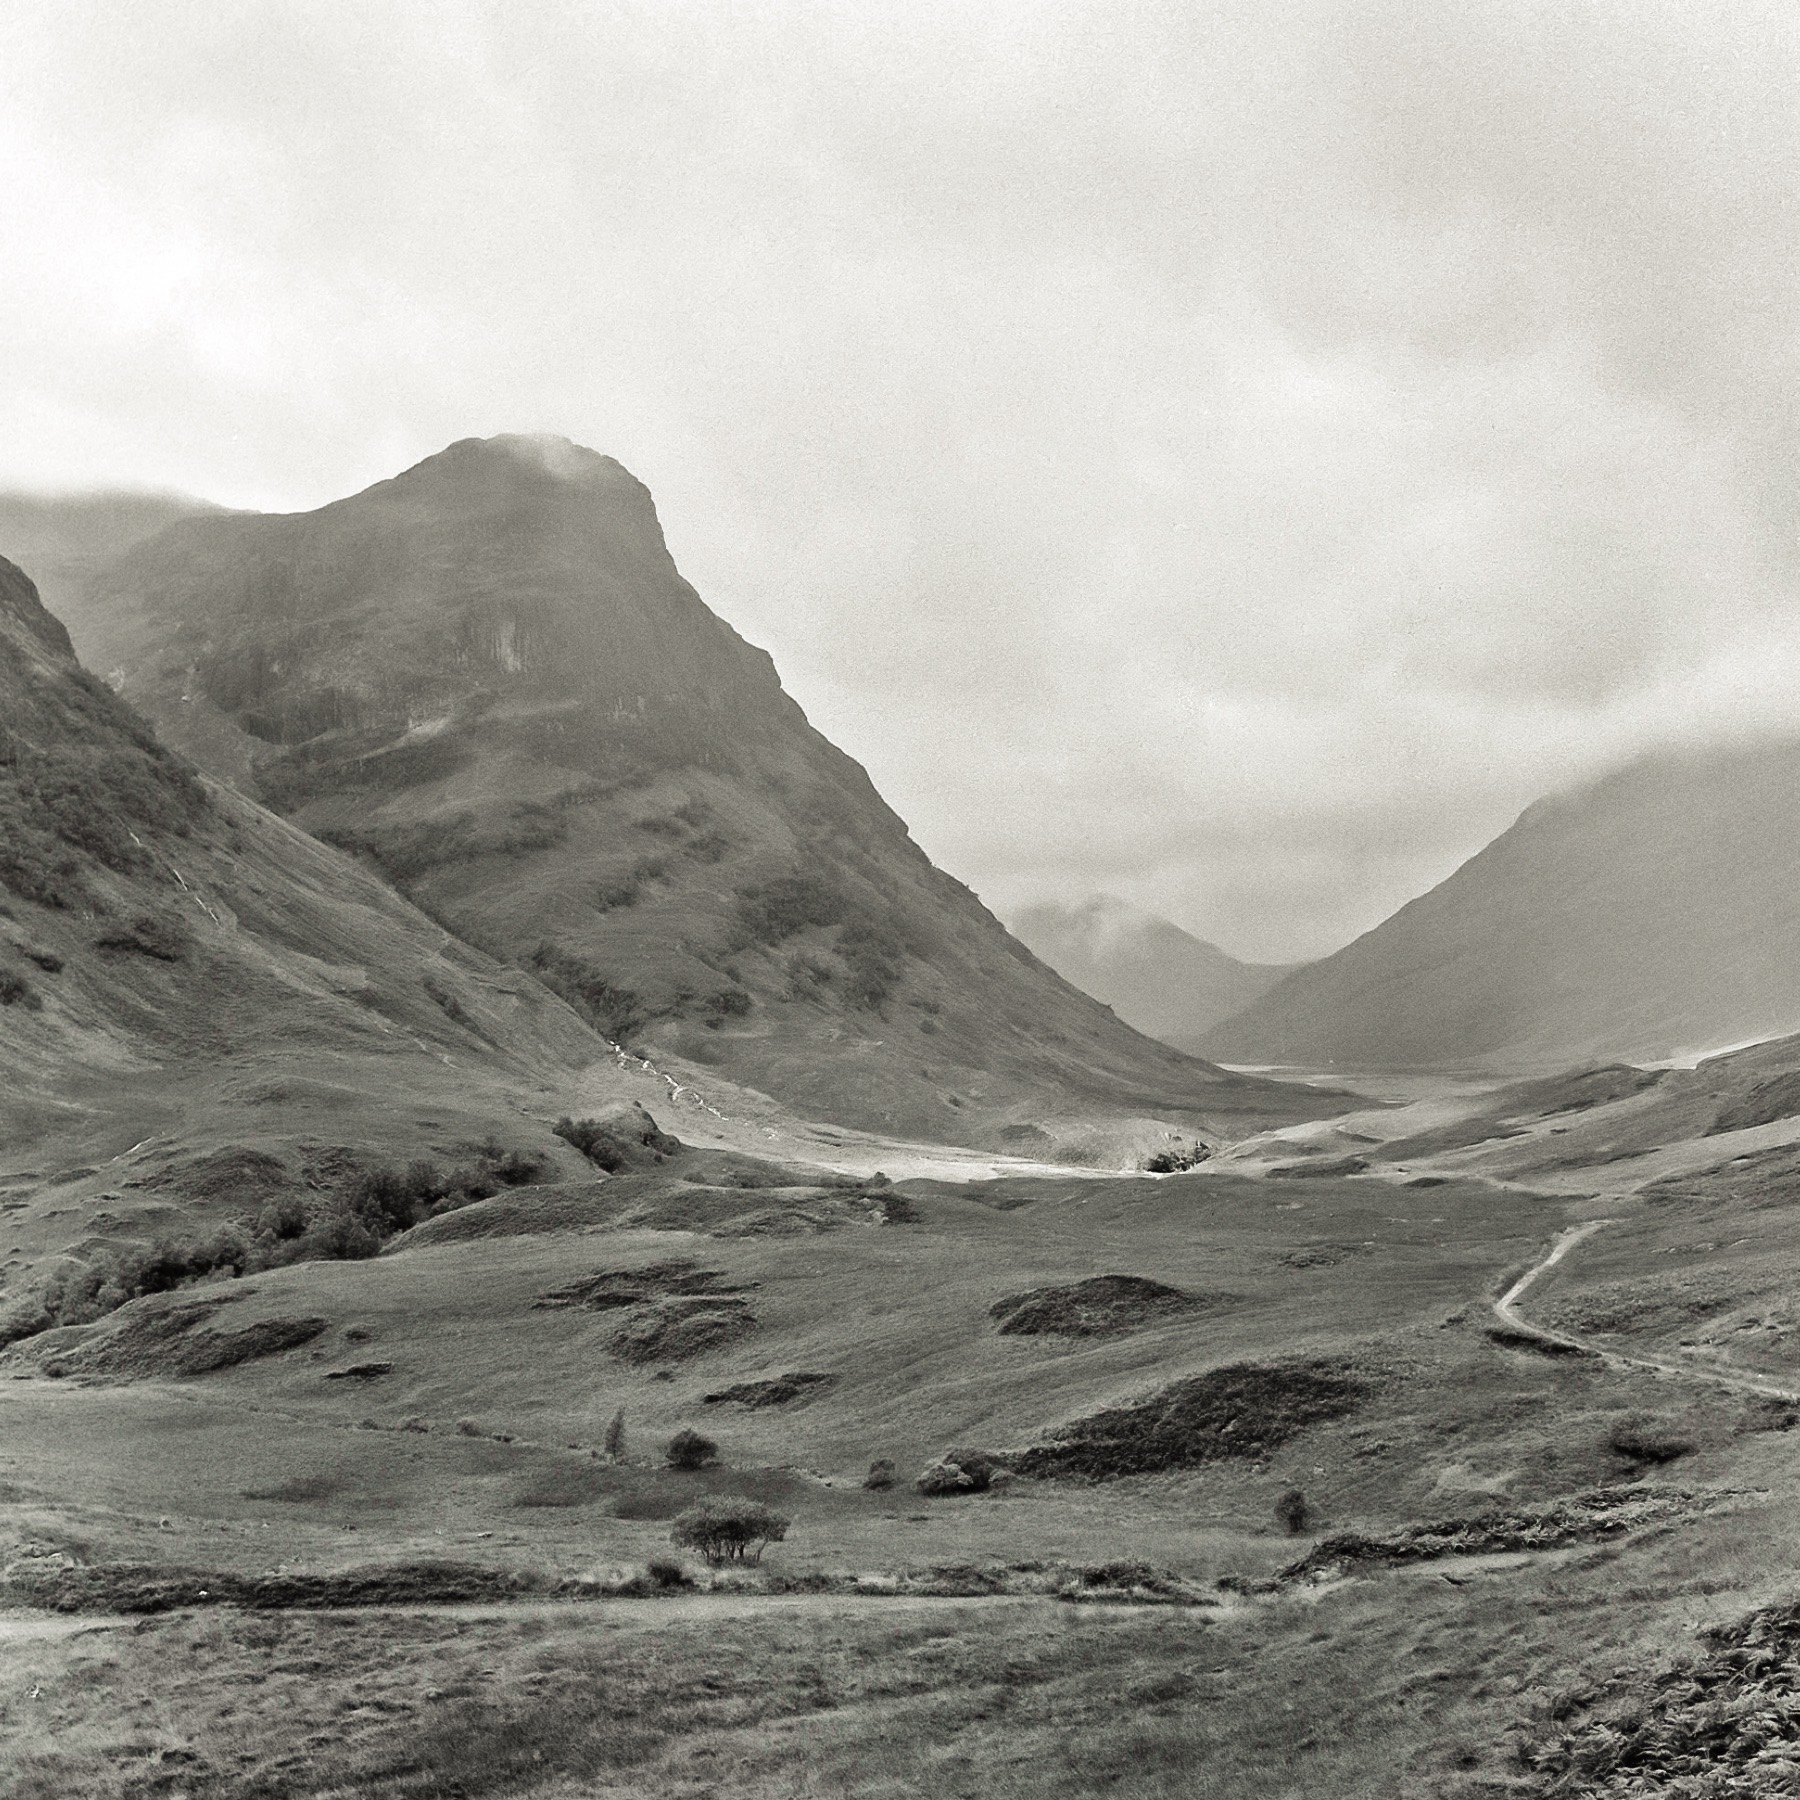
(1233, 456)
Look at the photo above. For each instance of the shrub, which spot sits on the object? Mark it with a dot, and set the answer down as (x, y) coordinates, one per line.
(666, 1572)
(690, 1449)
(614, 1441)
(1292, 1511)
(881, 1474)
(731, 1528)
(47, 960)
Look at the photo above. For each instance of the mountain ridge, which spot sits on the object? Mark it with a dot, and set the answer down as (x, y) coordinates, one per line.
(487, 675)
(1649, 915)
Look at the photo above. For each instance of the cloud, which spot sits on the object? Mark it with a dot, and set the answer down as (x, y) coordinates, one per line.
(1238, 456)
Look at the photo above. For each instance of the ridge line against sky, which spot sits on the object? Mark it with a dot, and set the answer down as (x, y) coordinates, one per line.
(1234, 457)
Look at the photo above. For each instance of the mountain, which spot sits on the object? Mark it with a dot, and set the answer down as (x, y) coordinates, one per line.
(487, 676)
(176, 964)
(1154, 975)
(1653, 914)
(63, 538)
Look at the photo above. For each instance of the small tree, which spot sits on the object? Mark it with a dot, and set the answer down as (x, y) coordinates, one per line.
(614, 1441)
(1293, 1512)
(689, 1450)
(881, 1473)
(732, 1528)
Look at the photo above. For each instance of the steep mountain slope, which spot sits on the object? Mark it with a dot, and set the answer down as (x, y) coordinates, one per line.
(488, 675)
(1168, 983)
(177, 963)
(1653, 914)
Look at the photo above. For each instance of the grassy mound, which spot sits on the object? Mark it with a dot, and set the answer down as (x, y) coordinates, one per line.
(607, 1289)
(780, 1391)
(1244, 1410)
(166, 1338)
(1593, 1517)
(674, 1330)
(1097, 1307)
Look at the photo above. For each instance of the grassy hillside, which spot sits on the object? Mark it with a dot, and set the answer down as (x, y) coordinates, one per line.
(487, 677)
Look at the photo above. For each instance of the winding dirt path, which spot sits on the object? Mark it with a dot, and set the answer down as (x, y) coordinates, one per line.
(1506, 1310)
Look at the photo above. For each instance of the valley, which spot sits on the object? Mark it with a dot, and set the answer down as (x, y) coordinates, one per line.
(488, 1089)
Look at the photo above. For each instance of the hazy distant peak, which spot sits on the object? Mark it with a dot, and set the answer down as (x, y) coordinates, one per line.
(1154, 975)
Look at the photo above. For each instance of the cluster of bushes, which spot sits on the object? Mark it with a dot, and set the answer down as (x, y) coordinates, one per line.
(873, 952)
(1176, 1161)
(624, 1137)
(406, 852)
(350, 1224)
(615, 1011)
(103, 775)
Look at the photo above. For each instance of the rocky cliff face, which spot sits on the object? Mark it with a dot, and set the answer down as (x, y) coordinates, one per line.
(1655, 914)
(488, 676)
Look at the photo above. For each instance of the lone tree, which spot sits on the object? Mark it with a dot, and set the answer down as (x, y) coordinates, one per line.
(1292, 1510)
(614, 1441)
(688, 1449)
(732, 1528)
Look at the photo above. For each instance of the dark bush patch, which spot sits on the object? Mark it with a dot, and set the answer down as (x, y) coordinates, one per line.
(1177, 1161)
(146, 935)
(47, 960)
(615, 1011)
(15, 990)
(364, 1371)
(625, 1136)
(688, 1449)
(1509, 1339)
(1320, 1170)
(779, 1391)
(881, 1475)
(1243, 1410)
(1098, 1307)
(1644, 1439)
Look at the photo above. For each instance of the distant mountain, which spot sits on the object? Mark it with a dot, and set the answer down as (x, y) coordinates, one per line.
(488, 676)
(62, 538)
(176, 963)
(1652, 914)
(1154, 975)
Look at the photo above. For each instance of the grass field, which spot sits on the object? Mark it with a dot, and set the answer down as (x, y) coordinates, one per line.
(452, 1406)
